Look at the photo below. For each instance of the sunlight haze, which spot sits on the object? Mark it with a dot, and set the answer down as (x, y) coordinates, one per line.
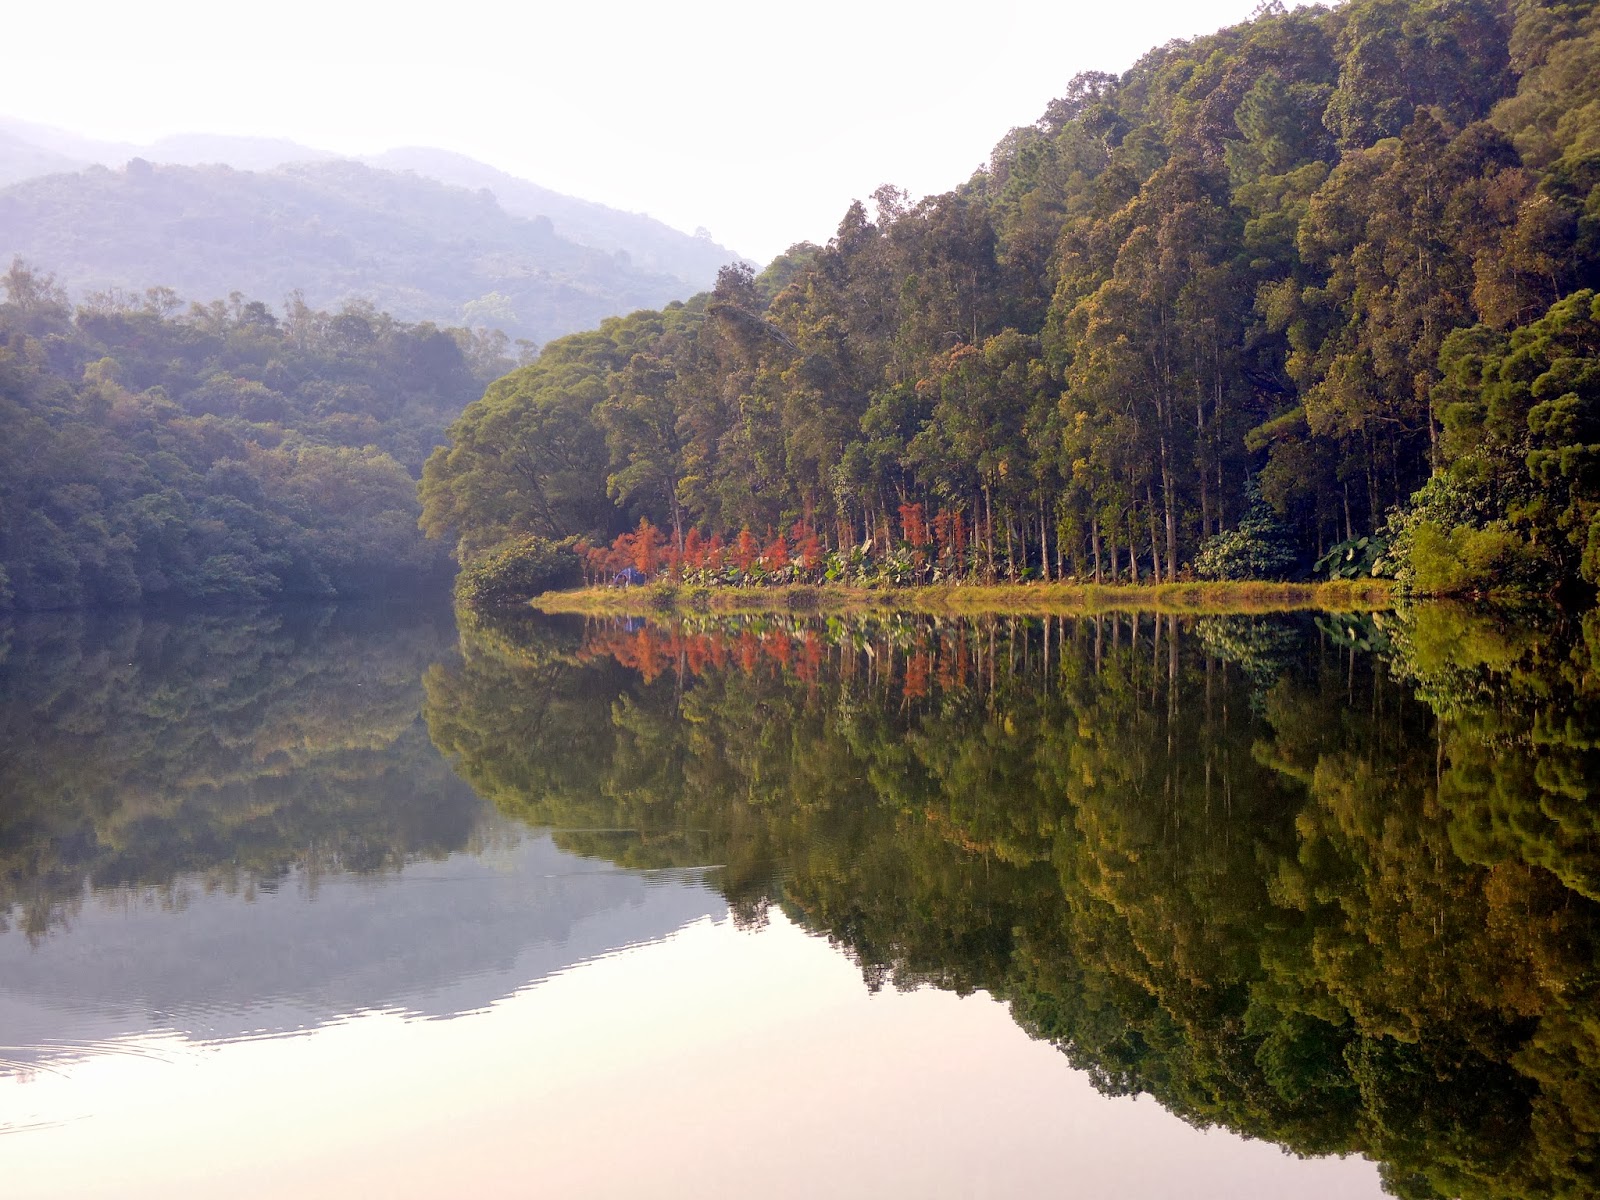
(757, 122)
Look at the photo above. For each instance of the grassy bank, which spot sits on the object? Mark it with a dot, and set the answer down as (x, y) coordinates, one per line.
(976, 599)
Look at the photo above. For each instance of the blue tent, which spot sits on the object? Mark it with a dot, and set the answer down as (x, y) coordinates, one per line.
(627, 577)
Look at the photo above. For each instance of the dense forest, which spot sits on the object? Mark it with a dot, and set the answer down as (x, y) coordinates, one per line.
(1322, 281)
(338, 231)
(155, 451)
(1372, 931)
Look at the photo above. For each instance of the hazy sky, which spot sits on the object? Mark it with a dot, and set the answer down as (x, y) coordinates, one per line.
(758, 121)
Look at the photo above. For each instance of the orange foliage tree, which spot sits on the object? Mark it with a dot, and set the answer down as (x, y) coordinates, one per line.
(745, 549)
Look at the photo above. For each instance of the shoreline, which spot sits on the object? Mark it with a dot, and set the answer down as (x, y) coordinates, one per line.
(1018, 599)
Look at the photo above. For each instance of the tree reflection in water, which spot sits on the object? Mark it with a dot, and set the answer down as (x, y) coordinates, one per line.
(1331, 881)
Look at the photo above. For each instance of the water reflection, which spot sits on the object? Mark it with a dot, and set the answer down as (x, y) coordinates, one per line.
(179, 789)
(226, 749)
(1328, 883)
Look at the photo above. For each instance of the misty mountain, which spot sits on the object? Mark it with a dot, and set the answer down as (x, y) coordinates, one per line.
(22, 159)
(334, 231)
(28, 151)
(649, 243)
(241, 153)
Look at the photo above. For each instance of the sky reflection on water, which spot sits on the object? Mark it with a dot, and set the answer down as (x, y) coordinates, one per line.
(728, 907)
(715, 1061)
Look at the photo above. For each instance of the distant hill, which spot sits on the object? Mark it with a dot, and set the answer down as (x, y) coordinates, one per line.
(334, 231)
(649, 243)
(67, 151)
(241, 153)
(22, 159)
(640, 256)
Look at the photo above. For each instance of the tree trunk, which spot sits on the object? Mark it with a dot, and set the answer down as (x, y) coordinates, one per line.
(1155, 536)
(1169, 502)
(1133, 543)
(1220, 493)
(1044, 543)
(988, 513)
(1094, 542)
(1373, 503)
(677, 514)
(1060, 561)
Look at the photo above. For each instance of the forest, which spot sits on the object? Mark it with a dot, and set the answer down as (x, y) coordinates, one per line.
(1368, 933)
(1314, 294)
(157, 451)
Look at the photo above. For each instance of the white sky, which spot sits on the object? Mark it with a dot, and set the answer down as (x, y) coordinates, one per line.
(759, 121)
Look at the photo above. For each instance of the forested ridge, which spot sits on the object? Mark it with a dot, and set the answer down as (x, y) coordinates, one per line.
(1325, 276)
(154, 450)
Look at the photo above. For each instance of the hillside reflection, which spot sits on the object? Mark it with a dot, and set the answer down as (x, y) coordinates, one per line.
(223, 750)
(235, 824)
(1330, 882)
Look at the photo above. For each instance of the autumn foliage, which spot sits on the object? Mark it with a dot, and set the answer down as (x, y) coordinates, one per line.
(926, 551)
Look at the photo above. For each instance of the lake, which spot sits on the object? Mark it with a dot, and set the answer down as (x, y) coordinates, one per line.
(360, 901)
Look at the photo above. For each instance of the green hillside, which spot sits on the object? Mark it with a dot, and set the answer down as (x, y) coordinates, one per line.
(219, 452)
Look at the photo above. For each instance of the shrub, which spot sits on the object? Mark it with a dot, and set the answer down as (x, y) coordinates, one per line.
(1357, 558)
(1259, 547)
(1465, 560)
(516, 570)
(1448, 543)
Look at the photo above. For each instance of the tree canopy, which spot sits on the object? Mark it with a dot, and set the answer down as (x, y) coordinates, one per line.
(1289, 256)
(216, 451)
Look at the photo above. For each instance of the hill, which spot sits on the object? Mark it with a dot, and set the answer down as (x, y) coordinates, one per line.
(332, 231)
(21, 159)
(635, 249)
(648, 243)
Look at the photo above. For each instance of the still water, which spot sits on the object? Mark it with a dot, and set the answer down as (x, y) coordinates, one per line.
(357, 902)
